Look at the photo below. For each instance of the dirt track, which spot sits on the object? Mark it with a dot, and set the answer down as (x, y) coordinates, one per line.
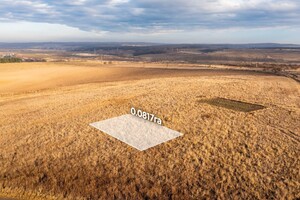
(48, 148)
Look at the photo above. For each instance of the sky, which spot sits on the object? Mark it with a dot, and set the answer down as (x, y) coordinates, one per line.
(162, 21)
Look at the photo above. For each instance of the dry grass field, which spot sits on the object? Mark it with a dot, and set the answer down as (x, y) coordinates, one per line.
(49, 151)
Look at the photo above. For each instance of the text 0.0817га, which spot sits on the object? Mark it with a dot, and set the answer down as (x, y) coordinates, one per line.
(145, 115)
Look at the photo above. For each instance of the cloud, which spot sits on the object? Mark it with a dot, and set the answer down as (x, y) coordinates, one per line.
(41, 32)
(154, 15)
(117, 2)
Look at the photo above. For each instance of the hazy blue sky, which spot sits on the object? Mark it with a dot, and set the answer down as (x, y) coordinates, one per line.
(175, 21)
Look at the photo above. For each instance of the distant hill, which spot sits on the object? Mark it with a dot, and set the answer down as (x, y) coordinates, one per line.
(70, 45)
(132, 45)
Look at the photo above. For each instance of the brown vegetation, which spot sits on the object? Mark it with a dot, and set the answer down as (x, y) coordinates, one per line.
(48, 149)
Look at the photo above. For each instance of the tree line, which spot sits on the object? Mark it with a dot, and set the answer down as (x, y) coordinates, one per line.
(9, 59)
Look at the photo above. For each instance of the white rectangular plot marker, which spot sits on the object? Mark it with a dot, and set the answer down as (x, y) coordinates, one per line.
(136, 132)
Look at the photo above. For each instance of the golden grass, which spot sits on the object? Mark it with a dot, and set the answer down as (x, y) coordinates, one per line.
(49, 150)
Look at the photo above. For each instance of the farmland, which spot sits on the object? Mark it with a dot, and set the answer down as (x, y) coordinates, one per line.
(49, 151)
